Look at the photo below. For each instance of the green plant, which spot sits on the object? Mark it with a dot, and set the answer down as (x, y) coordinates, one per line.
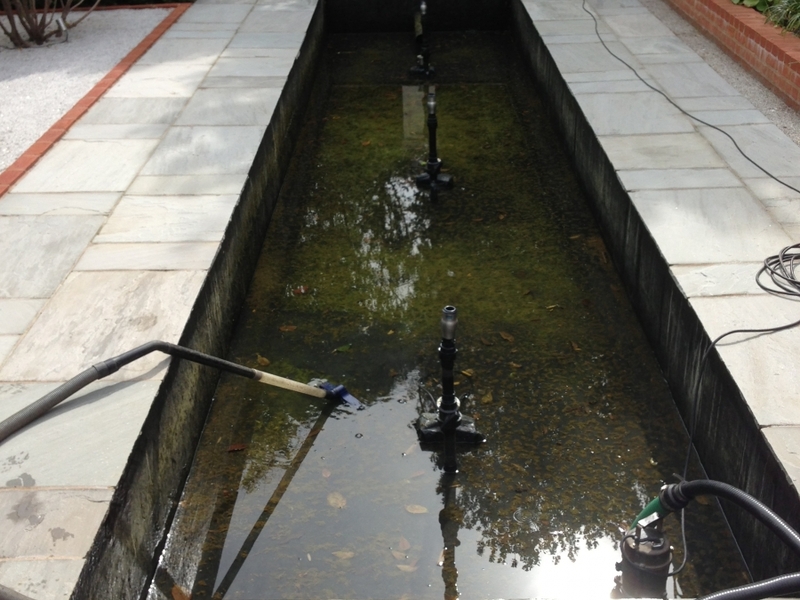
(785, 14)
(40, 23)
(760, 5)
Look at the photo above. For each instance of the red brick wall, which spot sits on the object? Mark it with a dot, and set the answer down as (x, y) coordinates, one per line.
(773, 56)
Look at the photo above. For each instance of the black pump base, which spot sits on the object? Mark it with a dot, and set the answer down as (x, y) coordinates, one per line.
(440, 181)
(430, 430)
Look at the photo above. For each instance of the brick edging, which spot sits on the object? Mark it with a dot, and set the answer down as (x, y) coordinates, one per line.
(763, 49)
(19, 167)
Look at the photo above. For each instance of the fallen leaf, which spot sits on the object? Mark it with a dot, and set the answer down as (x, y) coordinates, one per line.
(587, 303)
(553, 306)
(486, 342)
(390, 332)
(345, 348)
(575, 347)
(393, 373)
(487, 399)
(407, 568)
(366, 143)
(403, 544)
(343, 554)
(575, 237)
(264, 362)
(501, 216)
(416, 509)
(527, 293)
(507, 336)
(178, 593)
(288, 327)
(468, 372)
(336, 500)
(299, 291)
(515, 365)
(236, 447)
(326, 473)
(398, 555)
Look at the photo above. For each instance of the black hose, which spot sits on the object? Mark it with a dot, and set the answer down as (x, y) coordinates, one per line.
(33, 411)
(777, 586)
(676, 496)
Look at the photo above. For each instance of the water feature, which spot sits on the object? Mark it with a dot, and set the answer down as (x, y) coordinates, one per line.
(292, 498)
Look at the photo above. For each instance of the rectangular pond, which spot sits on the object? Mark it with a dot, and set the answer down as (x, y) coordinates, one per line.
(291, 497)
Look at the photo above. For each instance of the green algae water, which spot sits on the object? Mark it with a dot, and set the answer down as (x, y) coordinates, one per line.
(290, 497)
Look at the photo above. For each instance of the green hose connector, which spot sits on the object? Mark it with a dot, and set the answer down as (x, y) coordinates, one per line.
(654, 507)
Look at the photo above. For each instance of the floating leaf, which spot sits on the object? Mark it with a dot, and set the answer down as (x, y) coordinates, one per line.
(416, 474)
(345, 348)
(575, 347)
(326, 473)
(416, 509)
(236, 447)
(403, 544)
(407, 568)
(178, 593)
(507, 336)
(343, 554)
(487, 399)
(287, 327)
(336, 500)
(468, 372)
(264, 362)
(398, 555)
(308, 556)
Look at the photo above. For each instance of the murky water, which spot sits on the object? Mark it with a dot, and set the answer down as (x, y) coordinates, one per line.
(292, 498)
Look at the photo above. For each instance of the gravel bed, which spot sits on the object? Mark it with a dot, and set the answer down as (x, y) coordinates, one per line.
(39, 85)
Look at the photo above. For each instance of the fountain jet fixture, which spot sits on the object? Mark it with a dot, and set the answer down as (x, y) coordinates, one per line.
(433, 177)
(423, 68)
(448, 425)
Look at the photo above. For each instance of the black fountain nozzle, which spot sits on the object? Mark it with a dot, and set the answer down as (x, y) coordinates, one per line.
(423, 68)
(433, 177)
(448, 424)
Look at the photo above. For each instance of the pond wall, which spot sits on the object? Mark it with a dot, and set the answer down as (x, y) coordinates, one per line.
(125, 552)
(728, 438)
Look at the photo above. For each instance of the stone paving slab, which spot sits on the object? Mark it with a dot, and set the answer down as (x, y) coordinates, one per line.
(69, 516)
(94, 431)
